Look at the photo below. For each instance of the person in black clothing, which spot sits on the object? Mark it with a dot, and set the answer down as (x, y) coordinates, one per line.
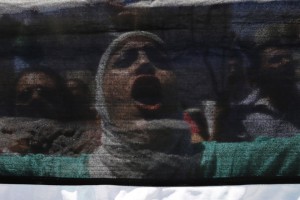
(272, 108)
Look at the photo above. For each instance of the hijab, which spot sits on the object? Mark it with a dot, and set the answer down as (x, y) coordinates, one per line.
(151, 149)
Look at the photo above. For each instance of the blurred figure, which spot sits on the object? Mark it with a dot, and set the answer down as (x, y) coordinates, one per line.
(40, 93)
(236, 82)
(235, 89)
(79, 100)
(273, 108)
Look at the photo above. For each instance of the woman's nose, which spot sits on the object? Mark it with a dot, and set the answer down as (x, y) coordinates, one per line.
(144, 64)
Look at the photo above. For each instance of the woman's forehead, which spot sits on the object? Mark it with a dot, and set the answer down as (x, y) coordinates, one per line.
(137, 42)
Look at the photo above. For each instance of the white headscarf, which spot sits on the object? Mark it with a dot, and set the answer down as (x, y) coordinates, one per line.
(125, 153)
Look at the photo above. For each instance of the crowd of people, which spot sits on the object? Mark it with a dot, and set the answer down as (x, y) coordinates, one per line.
(271, 108)
(144, 131)
(262, 101)
(40, 92)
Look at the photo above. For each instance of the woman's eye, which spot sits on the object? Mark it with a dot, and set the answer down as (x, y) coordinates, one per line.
(125, 59)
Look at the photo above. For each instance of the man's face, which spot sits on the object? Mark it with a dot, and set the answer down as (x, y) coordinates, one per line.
(138, 82)
(78, 91)
(37, 96)
(75, 88)
(277, 65)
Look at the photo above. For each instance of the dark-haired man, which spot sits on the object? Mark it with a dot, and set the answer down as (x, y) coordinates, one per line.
(273, 108)
(39, 93)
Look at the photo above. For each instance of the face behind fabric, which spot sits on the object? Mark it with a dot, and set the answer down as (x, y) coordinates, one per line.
(277, 68)
(37, 95)
(142, 133)
(76, 88)
(138, 82)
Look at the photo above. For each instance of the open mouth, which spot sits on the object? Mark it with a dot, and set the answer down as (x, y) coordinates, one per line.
(146, 92)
